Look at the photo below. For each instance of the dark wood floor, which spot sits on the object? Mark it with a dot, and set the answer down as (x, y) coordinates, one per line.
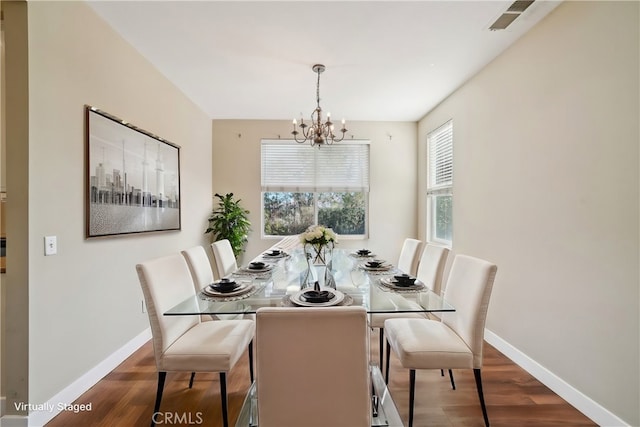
(125, 397)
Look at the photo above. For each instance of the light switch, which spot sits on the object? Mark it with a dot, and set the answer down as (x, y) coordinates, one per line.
(50, 245)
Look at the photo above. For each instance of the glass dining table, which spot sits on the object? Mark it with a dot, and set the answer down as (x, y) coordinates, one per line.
(286, 276)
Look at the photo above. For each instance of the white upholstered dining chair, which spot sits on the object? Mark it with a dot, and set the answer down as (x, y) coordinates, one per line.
(199, 266)
(430, 272)
(225, 259)
(201, 271)
(409, 256)
(431, 266)
(202, 276)
(184, 343)
(454, 342)
(313, 367)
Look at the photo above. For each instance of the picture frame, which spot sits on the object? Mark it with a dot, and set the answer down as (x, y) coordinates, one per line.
(132, 178)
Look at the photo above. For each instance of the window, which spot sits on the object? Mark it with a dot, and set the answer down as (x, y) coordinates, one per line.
(440, 184)
(304, 185)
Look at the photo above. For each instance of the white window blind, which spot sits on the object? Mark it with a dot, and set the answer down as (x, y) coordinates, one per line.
(440, 143)
(289, 166)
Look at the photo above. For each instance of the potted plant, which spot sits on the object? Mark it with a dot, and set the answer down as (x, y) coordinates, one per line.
(230, 221)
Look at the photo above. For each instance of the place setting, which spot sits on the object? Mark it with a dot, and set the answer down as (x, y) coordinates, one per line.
(363, 253)
(227, 287)
(376, 265)
(317, 297)
(255, 268)
(274, 254)
(402, 282)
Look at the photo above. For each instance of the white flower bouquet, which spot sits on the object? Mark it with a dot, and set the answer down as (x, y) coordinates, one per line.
(319, 238)
(319, 235)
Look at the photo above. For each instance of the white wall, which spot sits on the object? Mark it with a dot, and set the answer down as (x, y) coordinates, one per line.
(85, 302)
(392, 198)
(558, 211)
(546, 185)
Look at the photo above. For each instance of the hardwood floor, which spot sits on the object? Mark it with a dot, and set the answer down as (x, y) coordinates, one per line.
(125, 397)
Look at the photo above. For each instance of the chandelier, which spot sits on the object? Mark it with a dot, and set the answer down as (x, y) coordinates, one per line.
(318, 133)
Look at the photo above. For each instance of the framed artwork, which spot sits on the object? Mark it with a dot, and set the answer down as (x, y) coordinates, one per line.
(132, 178)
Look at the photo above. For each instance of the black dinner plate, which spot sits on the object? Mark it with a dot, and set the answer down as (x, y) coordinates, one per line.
(404, 280)
(274, 253)
(404, 283)
(224, 287)
(318, 296)
(257, 265)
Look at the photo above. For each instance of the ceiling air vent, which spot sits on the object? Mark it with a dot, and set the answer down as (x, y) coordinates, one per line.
(516, 8)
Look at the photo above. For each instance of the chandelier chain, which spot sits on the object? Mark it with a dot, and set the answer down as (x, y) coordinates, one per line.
(318, 90)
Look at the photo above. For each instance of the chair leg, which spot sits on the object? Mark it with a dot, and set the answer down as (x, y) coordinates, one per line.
(251, 361)
(161, 377)
(386, 370)
(476, 373)
(193, 375)
(412, 394)
(453, 384)
(381, 344)
(223, 396)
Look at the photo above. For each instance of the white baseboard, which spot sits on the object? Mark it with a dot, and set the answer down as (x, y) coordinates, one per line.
(596, 412)
(13, 421)
(69, 394)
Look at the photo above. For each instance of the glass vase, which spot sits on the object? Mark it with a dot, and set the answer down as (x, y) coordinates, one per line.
(307, 277)
(319, 254)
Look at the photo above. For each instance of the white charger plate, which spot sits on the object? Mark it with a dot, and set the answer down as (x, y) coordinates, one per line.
(357, 255)
(337, 299)
(393, 284)
(242, 289)
(280, 255)
(264, 269)
(381, 268)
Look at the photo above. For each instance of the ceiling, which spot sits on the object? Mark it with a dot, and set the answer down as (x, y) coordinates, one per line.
(385, 61)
